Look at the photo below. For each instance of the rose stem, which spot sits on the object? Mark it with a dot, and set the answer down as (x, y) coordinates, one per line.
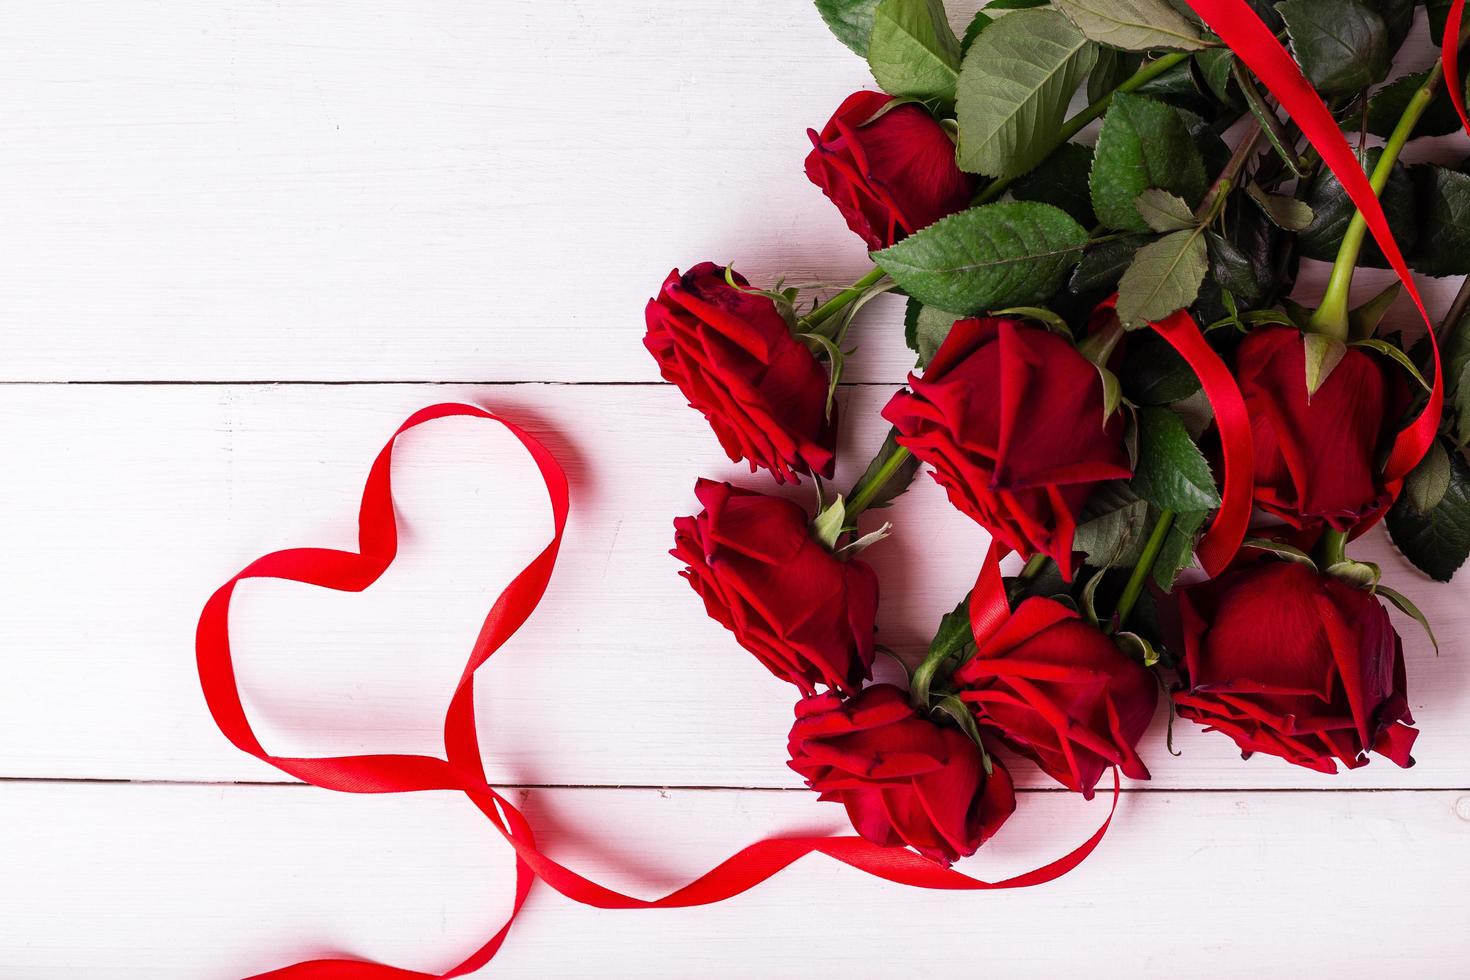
(1456, 313)
(1213, 201)
(1074, 125)
(1145, 565)
(863, 493)
(1331, 317)
(1334, 547)
(835, 305)
(1033, 567)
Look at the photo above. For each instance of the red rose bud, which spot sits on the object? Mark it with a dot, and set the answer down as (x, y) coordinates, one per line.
(1010, 417)
(1294, 663)
(903, 778)
(733, 356)
(805, 614)
(1316, 459)
(890, 175)
(1056, 690)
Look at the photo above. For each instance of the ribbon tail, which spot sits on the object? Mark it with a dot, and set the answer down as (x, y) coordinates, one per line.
(1259, 50)
(1451, 59)
(1220, 543)
(989, 606)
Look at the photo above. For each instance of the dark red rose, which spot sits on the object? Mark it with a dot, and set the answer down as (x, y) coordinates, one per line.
(903, 778)
(1059, 692)
(806, 614)
(733, 356)
(1316, 459)
(889, 176)
(1010, 417)
(1294, 663)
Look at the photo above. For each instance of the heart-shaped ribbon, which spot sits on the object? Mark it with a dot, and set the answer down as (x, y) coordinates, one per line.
(462, 768)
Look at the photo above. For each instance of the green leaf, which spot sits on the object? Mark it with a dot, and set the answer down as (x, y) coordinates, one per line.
(1342, 46)
(850, 20)
(1015, 253)
(1103, 264)
(1443, 206)
(1324, 354)
(1113, 528)
(1398, 18)
(1112, 69)
(1439, 12)
(925, 328)
(1172, 473)
(1233, 270)
(1216, 69)
(1177, 554)
(1388, 104)
(1286, 213)
(1281, 142)
(951, 640)
(978, 23)
(1428, 482)
(1460, 420)
(1406, 607)
(1154, 373)
(1332, 209)
(1143, 144)
(1165, 276)
(1061, 179)
(1014, 87)
(913, 52)
(1133, 25)
(1164, 212)
(896, 484)
(1437, 541)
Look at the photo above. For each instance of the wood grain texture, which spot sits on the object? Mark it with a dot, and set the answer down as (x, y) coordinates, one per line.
(1218, 885)
(468, 191)
(147, 497)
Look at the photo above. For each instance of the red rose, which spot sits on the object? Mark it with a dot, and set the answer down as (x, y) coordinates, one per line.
(806, 614)
(1294, 663)
(889, 176)
(903, 778)
(733, 356)
(1059, 692)
(1011, 419)
(1318, 458)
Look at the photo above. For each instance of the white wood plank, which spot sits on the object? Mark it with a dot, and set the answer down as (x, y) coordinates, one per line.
(404, 191)
(128, 504)
(220, 882)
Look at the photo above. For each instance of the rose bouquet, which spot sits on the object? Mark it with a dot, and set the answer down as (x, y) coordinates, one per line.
(1115, 377)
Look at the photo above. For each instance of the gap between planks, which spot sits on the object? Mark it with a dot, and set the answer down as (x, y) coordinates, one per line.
(645, 787)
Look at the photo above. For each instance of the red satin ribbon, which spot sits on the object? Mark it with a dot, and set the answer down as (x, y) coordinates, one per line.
(1451, 57)
(1218, 545)
(1257, 48)
(462, 769)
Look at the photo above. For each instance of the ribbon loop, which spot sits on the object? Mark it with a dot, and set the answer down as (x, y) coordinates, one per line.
(463, 768)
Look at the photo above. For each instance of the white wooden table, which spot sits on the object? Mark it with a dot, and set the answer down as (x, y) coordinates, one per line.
(242, 240)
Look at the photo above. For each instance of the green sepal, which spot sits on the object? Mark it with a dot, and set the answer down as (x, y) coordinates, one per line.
(1402, 603)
